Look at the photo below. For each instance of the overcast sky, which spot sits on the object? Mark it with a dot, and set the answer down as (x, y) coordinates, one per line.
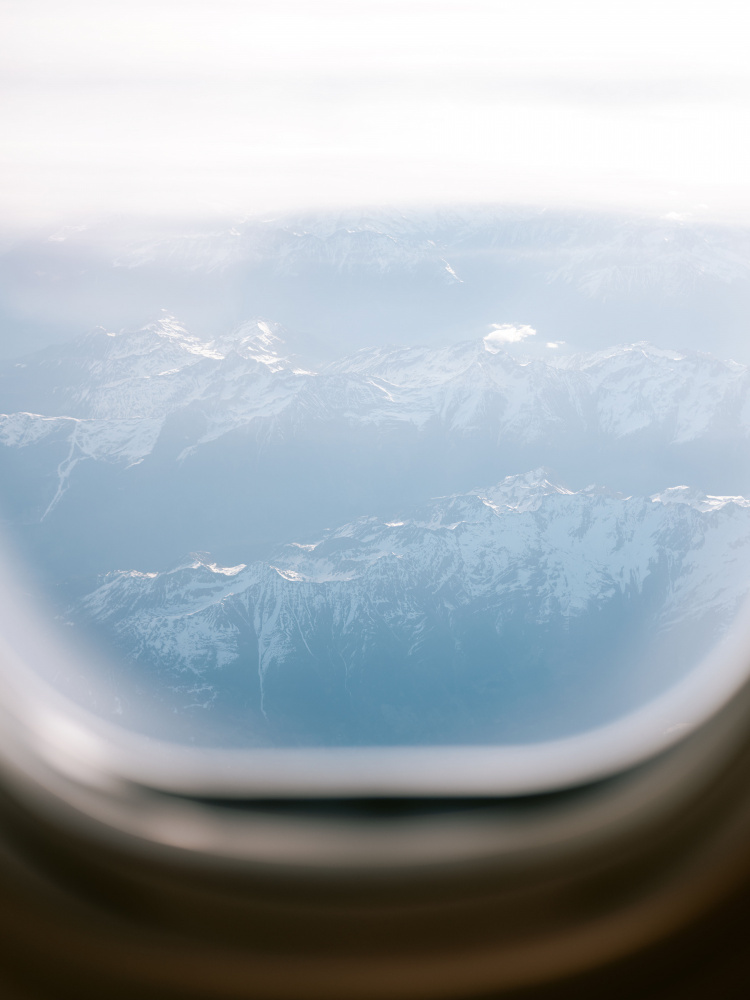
(194, 108)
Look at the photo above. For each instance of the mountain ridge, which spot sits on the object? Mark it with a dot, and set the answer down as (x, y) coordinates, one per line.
(524, 554)
(161, 369)
(217, 436)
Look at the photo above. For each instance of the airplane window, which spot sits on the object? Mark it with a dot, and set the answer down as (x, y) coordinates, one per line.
(374, 499)
(373, 442)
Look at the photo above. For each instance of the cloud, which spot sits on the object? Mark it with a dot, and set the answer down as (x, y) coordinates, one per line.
(506, 333)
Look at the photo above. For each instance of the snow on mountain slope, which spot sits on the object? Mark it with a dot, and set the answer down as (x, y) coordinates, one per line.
(107, 383)
(601, 256)
(127, 440)
(374, 591)
(617, 391)
(145, 373)
(670, 254)
(346, 242)
(638, 386)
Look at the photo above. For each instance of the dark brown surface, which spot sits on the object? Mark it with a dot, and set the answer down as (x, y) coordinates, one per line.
(636, 886)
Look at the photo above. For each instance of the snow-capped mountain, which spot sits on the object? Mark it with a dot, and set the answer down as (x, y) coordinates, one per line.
(359, 277)
(478, 615)
(670, 254)
(347, 242)
(598, 255)
(146, 373)
(616, 392)
(470, 617)
(216, 439)
(245, 380)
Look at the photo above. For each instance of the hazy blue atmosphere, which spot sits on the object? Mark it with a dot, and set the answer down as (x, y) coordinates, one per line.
(466, 464)
(468, 475)
(343, 280)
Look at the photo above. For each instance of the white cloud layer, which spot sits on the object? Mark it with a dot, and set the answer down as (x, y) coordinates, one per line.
(189, 106)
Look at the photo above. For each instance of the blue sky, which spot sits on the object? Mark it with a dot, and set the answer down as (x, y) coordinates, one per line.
(196, 108)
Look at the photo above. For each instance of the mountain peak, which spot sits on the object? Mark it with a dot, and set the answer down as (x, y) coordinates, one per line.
(523, 491)
(696, 499)
(166, 333)
(255, 340)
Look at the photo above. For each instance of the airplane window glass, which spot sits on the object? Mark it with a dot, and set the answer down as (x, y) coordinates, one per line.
(395, 446)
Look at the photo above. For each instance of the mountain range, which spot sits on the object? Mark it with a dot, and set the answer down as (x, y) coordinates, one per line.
(600, 255)
(512, 613)
(152, 443)
(340, 281)
(381, 377)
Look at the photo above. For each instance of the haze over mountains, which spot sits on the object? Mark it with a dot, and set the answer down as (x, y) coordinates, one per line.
(150, 444)
(346, 280)
(332, 600)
